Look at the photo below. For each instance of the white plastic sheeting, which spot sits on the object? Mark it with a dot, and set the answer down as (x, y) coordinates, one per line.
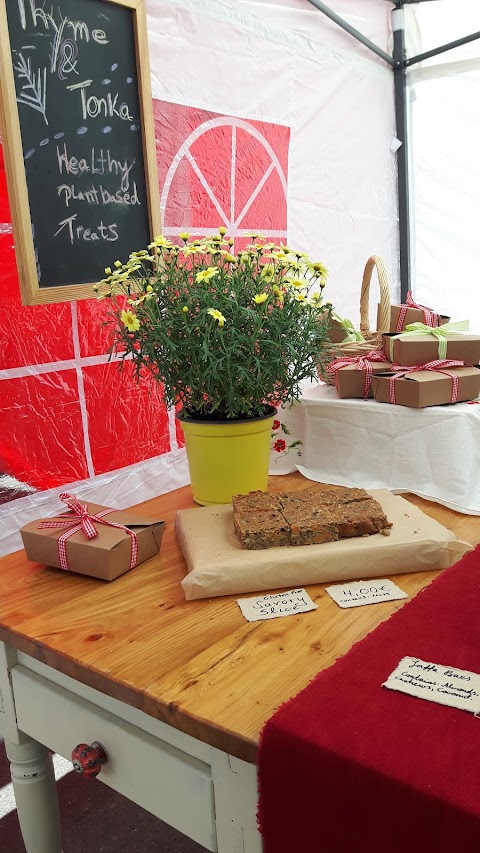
(446, 138)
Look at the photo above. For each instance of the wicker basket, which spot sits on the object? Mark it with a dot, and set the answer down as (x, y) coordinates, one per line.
(373, 340)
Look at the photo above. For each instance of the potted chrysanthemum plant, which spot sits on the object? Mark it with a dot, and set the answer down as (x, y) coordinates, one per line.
(230, 337)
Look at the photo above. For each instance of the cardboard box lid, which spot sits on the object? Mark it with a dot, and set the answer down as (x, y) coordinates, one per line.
(108, 538)
(435, 375)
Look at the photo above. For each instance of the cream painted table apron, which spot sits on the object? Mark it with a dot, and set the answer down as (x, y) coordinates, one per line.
(177, 692)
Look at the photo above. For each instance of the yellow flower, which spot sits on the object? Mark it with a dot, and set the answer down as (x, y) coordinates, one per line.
(185, 309)
(149, 288)
(184, 235)
(118, 264)
(230, 258)
(300, 297)
(206, 275)
(278, 293)
(217, 315)
(297, 282)
(222, 231)
(260, 297)
(108, 270)
(130, 321)
(268, 271)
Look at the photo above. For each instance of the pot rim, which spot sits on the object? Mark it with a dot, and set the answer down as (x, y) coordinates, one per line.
(272, 411)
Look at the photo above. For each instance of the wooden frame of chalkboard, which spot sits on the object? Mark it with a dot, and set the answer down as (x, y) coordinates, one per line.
(77, 129)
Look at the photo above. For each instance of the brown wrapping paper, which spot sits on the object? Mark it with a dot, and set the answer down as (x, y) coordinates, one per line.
(218, 565)
(107, 555)
(428, 388)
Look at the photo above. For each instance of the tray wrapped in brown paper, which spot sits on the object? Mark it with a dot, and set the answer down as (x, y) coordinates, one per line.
(218, 565)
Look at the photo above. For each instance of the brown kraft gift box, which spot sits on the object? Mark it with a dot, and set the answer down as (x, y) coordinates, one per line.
(412, 315)
(350, 382)
(428, 387)
(107, 555)
(410, 350)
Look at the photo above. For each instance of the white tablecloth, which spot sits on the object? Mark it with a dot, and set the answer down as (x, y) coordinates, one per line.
(432, 452)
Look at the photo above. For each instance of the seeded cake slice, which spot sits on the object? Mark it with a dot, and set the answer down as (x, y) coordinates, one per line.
(255, 502)
(310, 527)
(267, 529)
(361, 518)
(342, 495)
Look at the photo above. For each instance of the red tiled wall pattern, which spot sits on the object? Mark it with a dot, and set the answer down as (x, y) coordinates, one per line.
(66, 413)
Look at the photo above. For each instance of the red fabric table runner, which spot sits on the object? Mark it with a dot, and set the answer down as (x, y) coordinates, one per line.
(348, 766)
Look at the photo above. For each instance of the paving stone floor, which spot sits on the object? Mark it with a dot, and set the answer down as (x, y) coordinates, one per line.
(94, 819)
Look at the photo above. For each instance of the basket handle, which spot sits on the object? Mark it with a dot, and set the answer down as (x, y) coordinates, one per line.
(384, 312)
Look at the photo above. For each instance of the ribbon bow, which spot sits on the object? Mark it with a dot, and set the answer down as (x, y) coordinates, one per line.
(351, 333)
(430, 317)
(439, 365)
(80, 519)
(440, 332)
(363, 362)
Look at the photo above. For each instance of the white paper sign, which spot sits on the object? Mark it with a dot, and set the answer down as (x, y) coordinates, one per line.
(277, 604)
(356, 593)
(435, 682)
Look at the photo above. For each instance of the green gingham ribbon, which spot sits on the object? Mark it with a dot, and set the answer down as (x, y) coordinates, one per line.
(441, 333)
(349, 329)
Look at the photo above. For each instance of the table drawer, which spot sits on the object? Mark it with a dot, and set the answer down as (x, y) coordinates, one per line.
(173, 785)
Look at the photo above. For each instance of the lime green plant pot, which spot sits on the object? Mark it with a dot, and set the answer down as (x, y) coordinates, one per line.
(228, 457)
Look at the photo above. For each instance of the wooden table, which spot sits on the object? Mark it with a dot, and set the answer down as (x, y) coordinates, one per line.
(176, 691)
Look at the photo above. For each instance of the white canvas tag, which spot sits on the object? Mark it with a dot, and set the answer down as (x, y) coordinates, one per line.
(436, 682)
(277, 604)
(356, 593)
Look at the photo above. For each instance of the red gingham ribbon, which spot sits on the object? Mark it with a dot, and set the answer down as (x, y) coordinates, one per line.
(431, 318)
(439, 365)
(363, 362)
(82, 520)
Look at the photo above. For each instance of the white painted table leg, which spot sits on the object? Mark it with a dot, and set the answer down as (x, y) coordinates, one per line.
(35, 791)
(235, 785)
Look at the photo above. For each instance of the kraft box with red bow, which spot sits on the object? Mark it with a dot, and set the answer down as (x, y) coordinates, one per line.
(353, 375)
(411, 312)
(425, 385)
(92, 539)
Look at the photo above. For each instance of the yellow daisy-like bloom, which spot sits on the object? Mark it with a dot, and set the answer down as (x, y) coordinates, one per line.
(278, 293)
(184, 235)
(217, 315)
(296, 282)
(185, 309)
(259, 298)
(206, 275)
(130, 321)
(159, 242)
(268, 271)
(300, 297)
(118, 264)
(230, 258)
(108, 270)
(222, 231)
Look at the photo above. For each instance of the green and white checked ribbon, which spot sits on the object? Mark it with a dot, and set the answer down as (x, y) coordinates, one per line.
(441, 333)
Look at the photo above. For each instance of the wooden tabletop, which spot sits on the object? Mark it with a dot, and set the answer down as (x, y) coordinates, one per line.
(198, 665)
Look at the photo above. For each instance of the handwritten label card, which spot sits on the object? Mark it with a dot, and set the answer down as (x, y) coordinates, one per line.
(356, 593)
(277, 604)
(435, 682)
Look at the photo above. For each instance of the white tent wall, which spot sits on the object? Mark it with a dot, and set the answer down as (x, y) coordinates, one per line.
(445, 144)
(286, 64)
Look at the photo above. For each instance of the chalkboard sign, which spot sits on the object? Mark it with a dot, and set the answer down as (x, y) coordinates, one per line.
(77, 129)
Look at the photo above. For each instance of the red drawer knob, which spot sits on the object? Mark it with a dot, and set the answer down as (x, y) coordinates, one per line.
(88, 760)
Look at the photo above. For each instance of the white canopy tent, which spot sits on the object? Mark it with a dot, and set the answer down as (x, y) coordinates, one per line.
(284, 77)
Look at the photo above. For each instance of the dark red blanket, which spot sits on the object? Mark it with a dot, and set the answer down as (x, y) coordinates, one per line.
(348, 766)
